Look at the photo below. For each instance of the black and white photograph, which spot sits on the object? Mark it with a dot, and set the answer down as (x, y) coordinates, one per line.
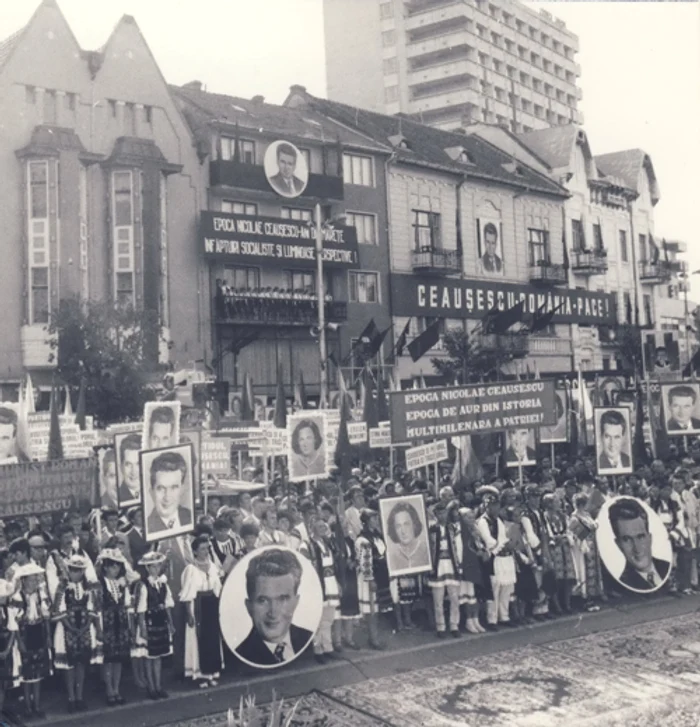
(558, 432)
(127, 446)
(681, 408)
(405, 527)
(634, 544)
(307, 445)
(161, 424)
(107, 476)
(491, 261)
(286, 169)
(519, 447)
(613, 440)
(168, 491)
(8, 433)
(271, 606)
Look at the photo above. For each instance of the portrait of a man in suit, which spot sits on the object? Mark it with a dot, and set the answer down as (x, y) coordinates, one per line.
(272, 596)
(630, 525)
(490, 262)
(169, 474)
(613, 439)
(129, 468)
(518, 452)
(682, 399)
(285, 182)
(161, 428)
(8, 435)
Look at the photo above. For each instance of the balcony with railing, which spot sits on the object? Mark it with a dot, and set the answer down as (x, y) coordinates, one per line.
(436, 261)
(514, 345)
(262, 306)
(544, 273)
(656, 272)
(589, 262)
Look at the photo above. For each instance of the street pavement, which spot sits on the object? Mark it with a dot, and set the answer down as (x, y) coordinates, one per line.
(634, 664)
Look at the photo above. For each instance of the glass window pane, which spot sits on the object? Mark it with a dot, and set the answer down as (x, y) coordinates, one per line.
(38, 189)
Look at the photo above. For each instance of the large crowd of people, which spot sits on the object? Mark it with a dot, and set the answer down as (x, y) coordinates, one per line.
(82, 597)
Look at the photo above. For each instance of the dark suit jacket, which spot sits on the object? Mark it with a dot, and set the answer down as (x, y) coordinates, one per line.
(492, 265)
(605, 464)
(253, 650)
(156, 525)
(631, 578)
(279, 183)
(512, 457)
(125, 494)
(673, 426)
(137, 545)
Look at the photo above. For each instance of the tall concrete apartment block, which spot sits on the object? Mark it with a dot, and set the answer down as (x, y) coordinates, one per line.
(450, 63)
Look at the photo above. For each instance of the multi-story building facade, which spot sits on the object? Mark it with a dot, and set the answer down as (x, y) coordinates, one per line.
(450, 63)
(265, 320)
(451, 196)
(96, 188)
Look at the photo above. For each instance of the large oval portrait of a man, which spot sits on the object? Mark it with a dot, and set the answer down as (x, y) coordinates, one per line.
(271, 606)
(286, 169)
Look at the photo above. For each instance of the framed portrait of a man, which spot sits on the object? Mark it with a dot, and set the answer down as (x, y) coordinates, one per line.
(107, 476)
(520, 448)
(286, 169)
(405, 527)
(613, 440)
(681, 408)
(633, 544)
(307, 445)
(558, 432)
(8, 433)
(491, 260)
(167, 490)
(127, 446)
(271, 574)
(161, 424)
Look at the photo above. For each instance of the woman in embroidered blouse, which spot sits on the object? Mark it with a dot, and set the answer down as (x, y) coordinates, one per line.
(117, 614)
(154, 604)
(582, 527)
(559, 542)
(32, 613)
(76, 613)
(201, 589)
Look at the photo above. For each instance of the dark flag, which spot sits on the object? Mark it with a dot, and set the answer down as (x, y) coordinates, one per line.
(507, 318)
(80, 409)
(658, 428)
(375, 344)
(280, 419)
(541, 321)
(401, 340)
(639, 449)
(55, 441)
(300, 393)
(369, 405)
(369, 334)
(563, 244)
(489, 318)
(693, 366)
(382, 403)
(423, 343)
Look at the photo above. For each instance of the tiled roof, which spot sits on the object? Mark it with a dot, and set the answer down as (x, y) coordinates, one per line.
(553, 145)
(430, 147)
(626, 165)
(202, 108)
(9, 44)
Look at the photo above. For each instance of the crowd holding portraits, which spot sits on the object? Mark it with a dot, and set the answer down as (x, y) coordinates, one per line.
(271, 606)
(127, 446)
(405, 527)
(167, 481)
(161, 424)
(681, 408)
(520, 448)
(634, 544)
(307, 445)
(558, 432)
(613, 440)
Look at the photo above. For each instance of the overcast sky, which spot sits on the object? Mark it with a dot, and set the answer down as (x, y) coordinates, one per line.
(640, 70)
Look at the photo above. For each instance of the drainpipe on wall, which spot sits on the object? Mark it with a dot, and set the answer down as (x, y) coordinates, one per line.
(387, 164)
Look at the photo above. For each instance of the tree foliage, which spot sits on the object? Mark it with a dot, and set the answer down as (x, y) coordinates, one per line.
(466, 362)
(114, 349)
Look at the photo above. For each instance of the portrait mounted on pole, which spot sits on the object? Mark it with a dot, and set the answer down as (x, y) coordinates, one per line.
(613, 440)
(405, 527)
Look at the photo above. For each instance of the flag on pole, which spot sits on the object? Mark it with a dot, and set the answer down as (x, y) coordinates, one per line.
(369, 405)
(55, 442)
(639, 449)
(68, 406)
(540, 321)
(401, 340)
(382, 403)
(507, 318)
(280, 418)
(80, 409)
(423, 343)
(375, 344)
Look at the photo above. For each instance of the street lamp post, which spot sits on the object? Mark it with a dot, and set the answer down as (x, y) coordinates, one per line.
(321, 297)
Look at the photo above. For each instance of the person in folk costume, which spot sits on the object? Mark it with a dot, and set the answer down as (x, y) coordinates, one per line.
(444, 579)
(582, 528)
(224, 551)
(117, 619)
(559, 549)
(526, 590)
(56, 569)
(501, 568)
(32, 613)
(154, 604)
(532, 523)
(78, 635)
(322, 554)
(349, 597)
(473, 586)
(136, 537)
(669, 511)
(374, 591)
(201, 589)
(9, 661)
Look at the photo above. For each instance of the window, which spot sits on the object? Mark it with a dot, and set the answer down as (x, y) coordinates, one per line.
(300, 280)
(358, 170)
(39, 189)
(364, 287)
(242, 278)
(246, 149)
(295, 213)
(391, 65)
(643, 248)
(238, 208)
(49, 107)
(38, 230)
(623, 246)
(40, 295)
(578, 238)
(627, 307)
(123, 241)
(648, 318)
(391, 94)
(426, 230)
(129, 119)
(598, 237)
(148, 114)
(386, 10)
(388, 38)
(365, 225)
(538, 241)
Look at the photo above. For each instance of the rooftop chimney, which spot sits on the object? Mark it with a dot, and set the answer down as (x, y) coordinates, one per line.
(258, 100)
(297, 88)
(194, 85)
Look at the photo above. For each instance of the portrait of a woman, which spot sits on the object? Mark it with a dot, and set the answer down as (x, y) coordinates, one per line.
(308, 455)
(407, 550)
